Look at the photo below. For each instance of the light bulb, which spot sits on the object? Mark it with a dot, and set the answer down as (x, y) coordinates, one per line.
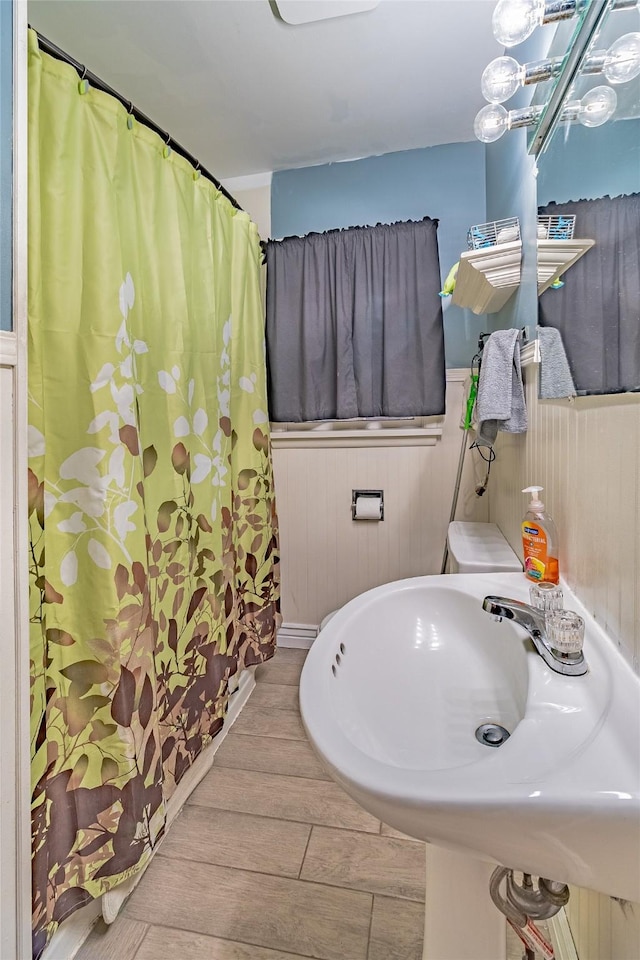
(501, 79)
(597, 106)
(515, 20)
(491, 122)
(622, 61)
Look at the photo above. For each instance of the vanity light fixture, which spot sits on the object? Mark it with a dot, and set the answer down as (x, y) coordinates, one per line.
(493, 120)
(503, 76)
(621, 60)
(596, 107)
(515, 20)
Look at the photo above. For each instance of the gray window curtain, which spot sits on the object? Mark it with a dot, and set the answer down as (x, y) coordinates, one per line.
(354, 324)
(598, 310)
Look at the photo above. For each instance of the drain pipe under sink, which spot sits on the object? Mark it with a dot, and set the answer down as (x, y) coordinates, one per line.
(522, 904)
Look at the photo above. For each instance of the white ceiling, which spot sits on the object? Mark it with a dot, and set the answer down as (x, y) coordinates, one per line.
(245, 92)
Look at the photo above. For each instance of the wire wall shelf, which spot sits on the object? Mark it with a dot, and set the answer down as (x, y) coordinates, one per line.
(558, 227)
(483, 235)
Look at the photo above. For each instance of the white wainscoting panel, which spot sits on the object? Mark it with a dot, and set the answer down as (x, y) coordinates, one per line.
(586, 454)
(328, 558)
(11, 655)
(604, 929)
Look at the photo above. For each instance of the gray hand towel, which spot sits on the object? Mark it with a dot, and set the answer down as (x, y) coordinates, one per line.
(500, 404)
(555, 374)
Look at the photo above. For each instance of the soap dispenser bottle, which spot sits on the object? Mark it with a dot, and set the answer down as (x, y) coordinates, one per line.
(539, 541)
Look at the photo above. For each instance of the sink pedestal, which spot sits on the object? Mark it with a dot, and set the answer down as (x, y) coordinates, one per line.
(461, 921)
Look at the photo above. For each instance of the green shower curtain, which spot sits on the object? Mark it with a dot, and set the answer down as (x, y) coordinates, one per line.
(154, 558)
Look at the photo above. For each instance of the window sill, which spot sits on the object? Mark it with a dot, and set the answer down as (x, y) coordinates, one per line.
(423, 432)
(367, 437)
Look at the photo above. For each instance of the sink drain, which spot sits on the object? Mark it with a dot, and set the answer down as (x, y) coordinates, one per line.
(491, 734)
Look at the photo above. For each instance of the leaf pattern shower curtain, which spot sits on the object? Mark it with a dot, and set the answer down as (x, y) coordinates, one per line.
(154, 567)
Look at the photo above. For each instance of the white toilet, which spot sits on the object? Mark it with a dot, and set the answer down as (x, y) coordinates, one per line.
(479, 548)
(325, 620)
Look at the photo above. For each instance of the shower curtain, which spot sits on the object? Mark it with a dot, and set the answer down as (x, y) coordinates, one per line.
(154, 556)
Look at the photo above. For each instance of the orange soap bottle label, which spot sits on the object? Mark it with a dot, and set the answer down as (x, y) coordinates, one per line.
(538, 565)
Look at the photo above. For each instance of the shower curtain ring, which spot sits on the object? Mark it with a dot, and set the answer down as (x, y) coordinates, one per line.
(167, 149)
(83, 84)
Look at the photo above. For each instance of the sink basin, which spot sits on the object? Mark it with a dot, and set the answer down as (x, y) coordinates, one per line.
(396, 685)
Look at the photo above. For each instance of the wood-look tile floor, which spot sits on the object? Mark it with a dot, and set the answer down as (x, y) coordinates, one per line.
(270, 859)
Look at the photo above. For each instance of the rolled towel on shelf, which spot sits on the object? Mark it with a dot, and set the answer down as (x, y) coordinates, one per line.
(500, 404)
(508, 235)
(555, 379)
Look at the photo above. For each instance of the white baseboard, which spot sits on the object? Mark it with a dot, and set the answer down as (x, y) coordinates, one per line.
(299, 635)
(71, 934)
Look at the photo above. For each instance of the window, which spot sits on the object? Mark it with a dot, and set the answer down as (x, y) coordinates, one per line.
(354, 324)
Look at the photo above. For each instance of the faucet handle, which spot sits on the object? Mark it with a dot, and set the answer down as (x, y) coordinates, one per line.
(565, 632)
(546, 597)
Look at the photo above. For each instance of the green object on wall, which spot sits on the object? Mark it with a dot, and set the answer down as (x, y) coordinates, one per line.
(471, 401)
(154, 556)
(450, 283)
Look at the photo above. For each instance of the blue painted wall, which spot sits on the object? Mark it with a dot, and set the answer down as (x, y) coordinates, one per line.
(6, 140)
(445, 182)
(511, 192)
(583, 164)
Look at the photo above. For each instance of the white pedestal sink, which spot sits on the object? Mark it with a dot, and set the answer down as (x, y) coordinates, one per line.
(391, 695)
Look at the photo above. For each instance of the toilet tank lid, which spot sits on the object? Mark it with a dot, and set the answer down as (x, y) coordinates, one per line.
(482, 544)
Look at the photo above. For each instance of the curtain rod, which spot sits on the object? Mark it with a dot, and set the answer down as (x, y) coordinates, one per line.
(48, 47)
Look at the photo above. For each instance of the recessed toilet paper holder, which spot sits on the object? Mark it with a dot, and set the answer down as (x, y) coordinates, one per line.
(365, 495)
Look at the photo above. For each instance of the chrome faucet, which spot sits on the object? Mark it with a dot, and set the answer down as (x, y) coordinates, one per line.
(571, 664)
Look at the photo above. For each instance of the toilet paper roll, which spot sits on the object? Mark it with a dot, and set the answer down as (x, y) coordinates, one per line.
(368, 508)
